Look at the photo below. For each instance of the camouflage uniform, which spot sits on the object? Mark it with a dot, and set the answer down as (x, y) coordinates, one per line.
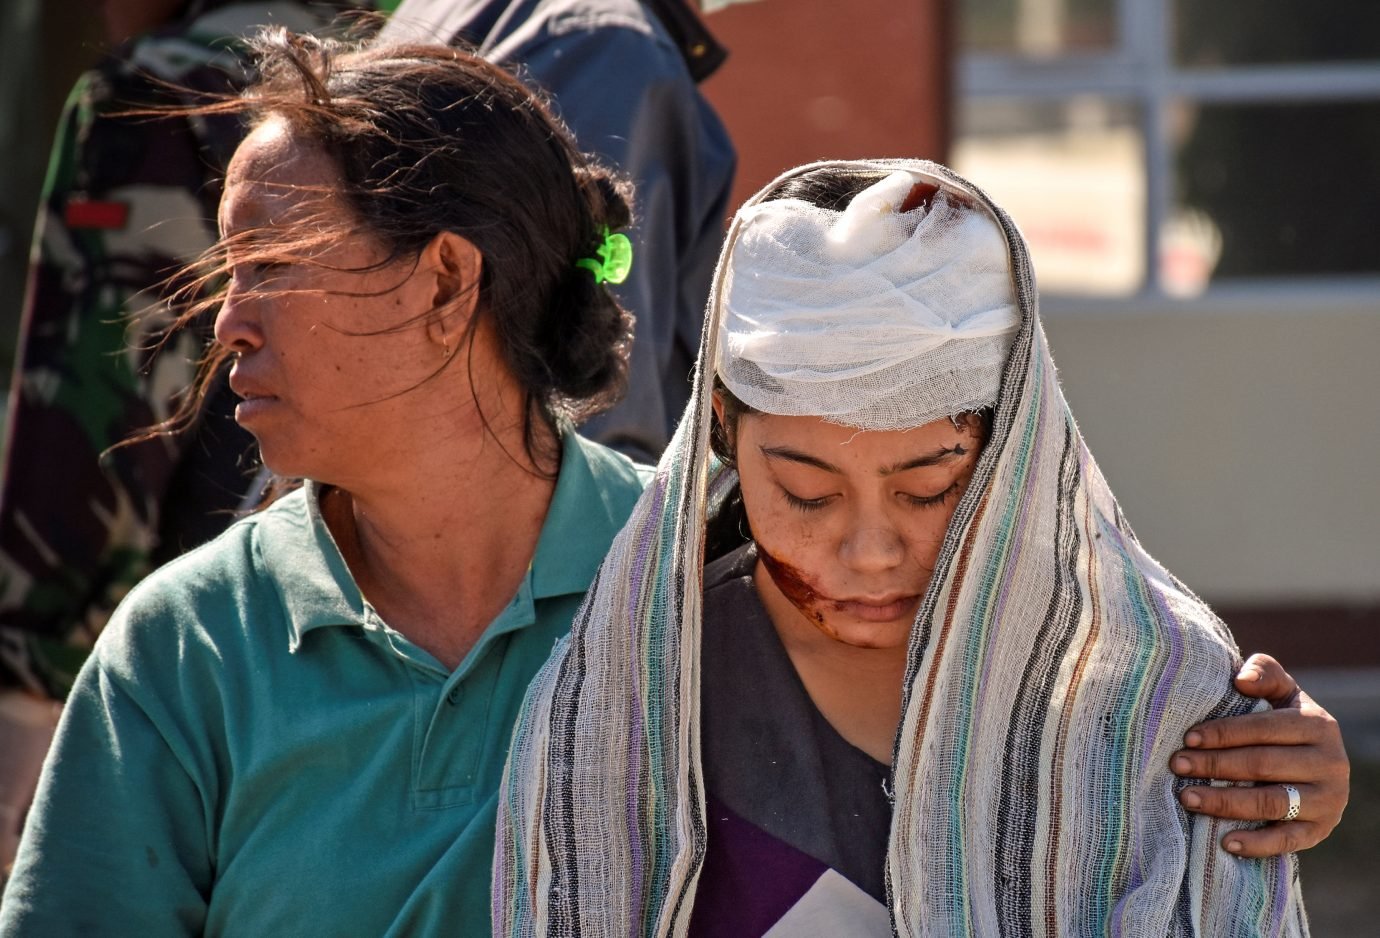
(126, 202)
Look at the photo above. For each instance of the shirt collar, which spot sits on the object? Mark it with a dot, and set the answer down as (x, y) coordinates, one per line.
(594, 494)
(302, 560)
(703, 53)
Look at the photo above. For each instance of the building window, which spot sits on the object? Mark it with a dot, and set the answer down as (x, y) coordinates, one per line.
(1172, 148)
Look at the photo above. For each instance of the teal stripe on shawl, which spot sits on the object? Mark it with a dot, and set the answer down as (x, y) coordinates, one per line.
(1052, 670)
(989, 587)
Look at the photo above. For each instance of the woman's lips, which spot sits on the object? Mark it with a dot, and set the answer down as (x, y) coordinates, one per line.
(254, 400)
(878, 610)
(252, 406)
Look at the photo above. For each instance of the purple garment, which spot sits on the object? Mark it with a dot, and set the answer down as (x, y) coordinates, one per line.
(790, 802)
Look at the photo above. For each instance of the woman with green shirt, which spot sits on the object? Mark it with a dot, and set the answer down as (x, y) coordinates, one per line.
(300, 728)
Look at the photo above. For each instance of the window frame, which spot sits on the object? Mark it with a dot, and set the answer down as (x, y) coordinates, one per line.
(1140, 70)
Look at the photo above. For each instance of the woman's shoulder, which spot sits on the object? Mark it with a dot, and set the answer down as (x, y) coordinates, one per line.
(203, 598)
(1160, 648)
(612, 473)
(590, 21)
(227, 561)
(734, 617)
(1163, 611)
(730, 569)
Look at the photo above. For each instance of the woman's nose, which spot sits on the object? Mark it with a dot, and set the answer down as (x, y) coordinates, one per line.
(872, 549)
(237, 326)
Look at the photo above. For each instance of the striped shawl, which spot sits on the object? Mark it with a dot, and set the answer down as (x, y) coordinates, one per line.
(1053, 668)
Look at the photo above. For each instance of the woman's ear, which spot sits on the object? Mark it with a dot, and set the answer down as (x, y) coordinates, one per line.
(720, 435)
(453, 265)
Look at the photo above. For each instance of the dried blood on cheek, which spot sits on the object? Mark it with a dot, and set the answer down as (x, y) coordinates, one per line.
(793, 585)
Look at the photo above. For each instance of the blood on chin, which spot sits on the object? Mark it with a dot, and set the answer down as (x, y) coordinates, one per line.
(823, 613)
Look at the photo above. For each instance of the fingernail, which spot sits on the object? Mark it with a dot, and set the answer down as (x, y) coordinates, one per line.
(1191, 799)
(1234, 846)
(1182, 765)
(1249, 675)
(1193, 738)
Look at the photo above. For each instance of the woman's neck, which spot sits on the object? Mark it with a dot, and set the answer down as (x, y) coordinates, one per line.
(440, 542)
(858, 690)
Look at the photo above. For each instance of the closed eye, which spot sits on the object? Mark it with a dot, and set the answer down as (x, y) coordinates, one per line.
(260, 268)
(258, 273)
(806, 504)
(930, 501)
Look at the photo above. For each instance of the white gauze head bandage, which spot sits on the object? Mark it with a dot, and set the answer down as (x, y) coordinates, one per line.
(870, 317)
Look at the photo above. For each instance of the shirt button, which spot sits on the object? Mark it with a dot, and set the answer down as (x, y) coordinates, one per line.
(454, 695)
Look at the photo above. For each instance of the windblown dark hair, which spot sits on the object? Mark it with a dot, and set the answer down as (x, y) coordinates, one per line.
(430, 139)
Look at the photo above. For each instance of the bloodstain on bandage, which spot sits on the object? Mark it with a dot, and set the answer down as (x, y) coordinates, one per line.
(921, 195)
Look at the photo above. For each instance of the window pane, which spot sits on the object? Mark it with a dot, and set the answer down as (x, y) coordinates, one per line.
(1267, 32)
(1072, 175)
(1037, 28)
(1290, 188)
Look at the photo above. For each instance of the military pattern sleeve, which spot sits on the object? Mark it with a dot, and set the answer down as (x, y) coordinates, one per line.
(127, 201)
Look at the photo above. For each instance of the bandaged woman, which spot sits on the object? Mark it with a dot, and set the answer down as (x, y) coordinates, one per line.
(937, 688)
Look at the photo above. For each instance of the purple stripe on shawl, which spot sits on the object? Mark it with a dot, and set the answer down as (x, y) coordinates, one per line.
(1281, 890)
(1171, 668)
(1155, 714)
(636, 731)
(995, 615)
(500, 862)
(1155, 710)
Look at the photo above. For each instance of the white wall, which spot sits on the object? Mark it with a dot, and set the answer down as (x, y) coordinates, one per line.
(1243, 444)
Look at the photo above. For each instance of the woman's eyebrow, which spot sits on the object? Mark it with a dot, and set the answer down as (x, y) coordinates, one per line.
(928, 459)
(236, 227)
(795, 455)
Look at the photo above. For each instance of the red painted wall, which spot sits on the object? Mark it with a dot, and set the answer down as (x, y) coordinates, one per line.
(811, 79)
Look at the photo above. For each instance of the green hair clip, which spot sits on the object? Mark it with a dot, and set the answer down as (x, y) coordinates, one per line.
(614, 260)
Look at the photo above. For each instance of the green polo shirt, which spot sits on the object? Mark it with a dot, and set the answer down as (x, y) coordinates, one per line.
(252, 751)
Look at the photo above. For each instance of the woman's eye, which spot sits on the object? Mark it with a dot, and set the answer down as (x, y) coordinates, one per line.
(929, 501)
(256, 270)
(806, 504)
